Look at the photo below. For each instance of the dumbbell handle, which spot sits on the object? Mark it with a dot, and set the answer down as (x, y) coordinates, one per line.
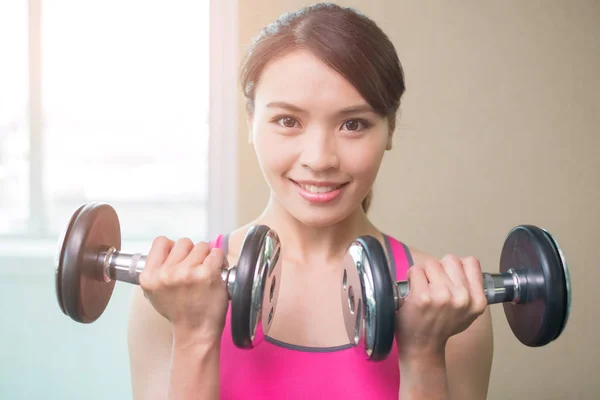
(125, 267)
(508, 286)
(122, 267)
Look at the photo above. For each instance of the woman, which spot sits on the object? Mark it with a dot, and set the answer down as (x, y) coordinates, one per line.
(323, 86)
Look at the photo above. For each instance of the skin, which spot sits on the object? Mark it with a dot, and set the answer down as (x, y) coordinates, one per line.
(300, 132)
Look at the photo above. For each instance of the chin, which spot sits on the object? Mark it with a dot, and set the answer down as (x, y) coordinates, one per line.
(316, 218)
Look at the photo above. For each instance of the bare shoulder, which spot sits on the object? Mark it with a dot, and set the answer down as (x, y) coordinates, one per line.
(235, 239)
(420, 257)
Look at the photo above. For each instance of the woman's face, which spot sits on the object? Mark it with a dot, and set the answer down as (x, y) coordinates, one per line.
(318, 142)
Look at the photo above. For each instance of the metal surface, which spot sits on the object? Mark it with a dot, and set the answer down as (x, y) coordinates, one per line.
(265, 287)
(126, 267)
(358, 300)
(228, 276)
(498, 288)
(565, 267)
(501, 288)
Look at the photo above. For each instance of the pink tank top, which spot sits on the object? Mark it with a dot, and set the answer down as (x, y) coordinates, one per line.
(276, 370)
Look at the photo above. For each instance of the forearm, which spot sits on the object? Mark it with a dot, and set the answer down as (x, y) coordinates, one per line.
(194, 372)
(424, 378)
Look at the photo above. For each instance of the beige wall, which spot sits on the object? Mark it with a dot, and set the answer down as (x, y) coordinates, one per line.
(499, 127)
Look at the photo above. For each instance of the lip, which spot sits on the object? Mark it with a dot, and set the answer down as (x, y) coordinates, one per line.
(320, 198)
(319, 183)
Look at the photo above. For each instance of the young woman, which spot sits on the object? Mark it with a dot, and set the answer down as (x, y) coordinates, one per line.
(323, 86)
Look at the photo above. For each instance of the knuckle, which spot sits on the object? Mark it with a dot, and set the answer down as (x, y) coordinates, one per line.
(423, 300)
(186, 278)
(461, 298)
(165, 278)
(202, 245)
(413, 270)
(161, 241)
(480, 303)
(451, 259)
(202, 250)
(431, 265)
(184, 242)
(197, 254)
(471, 261)
(442, 297)
(201, 276)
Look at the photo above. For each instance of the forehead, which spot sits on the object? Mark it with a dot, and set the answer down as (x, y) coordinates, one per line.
(304, 80)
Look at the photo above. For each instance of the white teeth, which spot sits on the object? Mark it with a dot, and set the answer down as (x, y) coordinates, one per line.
(318, 189)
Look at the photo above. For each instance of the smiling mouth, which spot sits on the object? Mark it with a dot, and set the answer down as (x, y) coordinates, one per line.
(319, 189)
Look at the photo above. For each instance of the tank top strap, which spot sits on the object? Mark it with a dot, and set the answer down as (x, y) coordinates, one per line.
(221, 241)
(400, 258)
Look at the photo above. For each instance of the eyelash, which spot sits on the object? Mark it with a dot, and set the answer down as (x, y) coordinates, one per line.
(365, 124)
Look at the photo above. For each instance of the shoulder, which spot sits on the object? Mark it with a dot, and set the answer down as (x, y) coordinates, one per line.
(421, 257)
(415, 255)
(403, 256)
(231, 242)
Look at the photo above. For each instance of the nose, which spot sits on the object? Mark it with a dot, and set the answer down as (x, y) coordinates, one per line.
(319, 152)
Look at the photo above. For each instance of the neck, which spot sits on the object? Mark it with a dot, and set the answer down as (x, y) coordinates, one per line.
(305, 243)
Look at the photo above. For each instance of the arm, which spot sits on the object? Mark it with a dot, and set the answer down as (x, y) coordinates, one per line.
(469, 357)
(459, 370)
(164, 365)
(463, 372)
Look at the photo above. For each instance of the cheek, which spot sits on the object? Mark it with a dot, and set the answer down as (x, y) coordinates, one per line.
(362, 160)
(274, 155)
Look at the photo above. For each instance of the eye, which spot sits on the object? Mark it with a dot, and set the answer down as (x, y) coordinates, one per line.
(355, 125)
(287, 122)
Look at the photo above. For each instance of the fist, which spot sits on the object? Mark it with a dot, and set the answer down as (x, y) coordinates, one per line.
(444, 298)
(182, 281)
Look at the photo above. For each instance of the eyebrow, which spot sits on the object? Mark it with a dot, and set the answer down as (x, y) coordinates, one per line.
(344, 111)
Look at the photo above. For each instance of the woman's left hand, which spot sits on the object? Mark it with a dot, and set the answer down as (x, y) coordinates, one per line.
(444, 298)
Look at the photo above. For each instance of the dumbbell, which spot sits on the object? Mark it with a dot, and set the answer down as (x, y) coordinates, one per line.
(533, 284)
(89, 261)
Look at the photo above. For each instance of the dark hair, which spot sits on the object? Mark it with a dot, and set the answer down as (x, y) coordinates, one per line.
(347, 41)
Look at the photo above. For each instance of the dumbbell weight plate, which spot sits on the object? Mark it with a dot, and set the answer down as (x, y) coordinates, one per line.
(368, 303)
(81, 291)
(256, 287)
(57, 260)
(538, 322)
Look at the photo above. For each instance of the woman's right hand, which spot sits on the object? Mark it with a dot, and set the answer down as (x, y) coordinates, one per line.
(183, 283)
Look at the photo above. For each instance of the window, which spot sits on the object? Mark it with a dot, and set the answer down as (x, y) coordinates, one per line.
(105, 101)
(14, 166)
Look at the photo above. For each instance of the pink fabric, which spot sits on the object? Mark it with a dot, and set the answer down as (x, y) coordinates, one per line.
(271, 371)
